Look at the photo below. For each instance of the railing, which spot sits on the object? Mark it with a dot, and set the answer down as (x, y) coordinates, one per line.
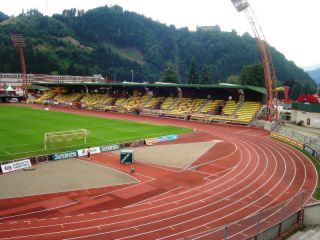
(271, 222)
(310, 141)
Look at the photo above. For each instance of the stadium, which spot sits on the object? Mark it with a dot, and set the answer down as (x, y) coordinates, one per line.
(86, 157)
(204, 169)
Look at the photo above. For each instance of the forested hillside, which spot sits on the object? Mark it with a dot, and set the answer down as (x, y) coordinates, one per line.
(111, 42)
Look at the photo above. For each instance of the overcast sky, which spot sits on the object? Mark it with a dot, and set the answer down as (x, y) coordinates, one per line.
(291, 26)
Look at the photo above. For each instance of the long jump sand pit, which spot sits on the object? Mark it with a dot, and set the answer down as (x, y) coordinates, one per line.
(60, 176)
(172, 155)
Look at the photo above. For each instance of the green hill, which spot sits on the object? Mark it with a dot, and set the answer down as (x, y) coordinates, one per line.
(111, 41)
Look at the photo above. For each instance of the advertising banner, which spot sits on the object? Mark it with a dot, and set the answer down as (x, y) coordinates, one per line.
(15, 165)
(311, 151)
(109, 148)
(84, 152)
(287, 140)
(152, 141)
(65, 155)
(167, 138)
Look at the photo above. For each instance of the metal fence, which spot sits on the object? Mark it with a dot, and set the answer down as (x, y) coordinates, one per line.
(312, 141)
(267, 224)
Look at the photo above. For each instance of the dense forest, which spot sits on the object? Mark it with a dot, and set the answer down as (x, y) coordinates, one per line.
(117, 43)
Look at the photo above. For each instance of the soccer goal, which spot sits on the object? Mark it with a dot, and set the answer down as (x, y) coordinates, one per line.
(54, 140)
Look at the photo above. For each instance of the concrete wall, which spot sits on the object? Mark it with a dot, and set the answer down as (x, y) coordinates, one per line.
(297, 116)
(273, 232)
(312, 214)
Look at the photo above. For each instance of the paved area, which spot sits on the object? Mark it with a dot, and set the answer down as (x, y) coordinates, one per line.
(173, 155)
(60, 176)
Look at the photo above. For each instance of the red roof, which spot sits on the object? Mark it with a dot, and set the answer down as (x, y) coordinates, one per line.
(307, 98)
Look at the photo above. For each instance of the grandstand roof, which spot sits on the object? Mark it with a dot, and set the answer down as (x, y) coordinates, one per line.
(260, 90)
(37, 87)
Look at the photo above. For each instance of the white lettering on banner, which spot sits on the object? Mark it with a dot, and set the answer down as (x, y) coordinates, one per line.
(152, 141)
(60, 156)
(109, 148)
(15, 165)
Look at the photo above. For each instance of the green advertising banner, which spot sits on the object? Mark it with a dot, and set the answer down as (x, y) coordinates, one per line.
(109, 148)
(65, 155)
(310, 151)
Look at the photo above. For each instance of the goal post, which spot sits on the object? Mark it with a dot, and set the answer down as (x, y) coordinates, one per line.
(62, 137)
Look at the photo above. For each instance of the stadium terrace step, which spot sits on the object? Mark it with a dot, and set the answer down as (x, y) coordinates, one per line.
(47, 204)
(85, 202)
(134, 191)
(309, 233)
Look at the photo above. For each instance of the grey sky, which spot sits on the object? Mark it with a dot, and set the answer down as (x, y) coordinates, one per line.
(289, 25)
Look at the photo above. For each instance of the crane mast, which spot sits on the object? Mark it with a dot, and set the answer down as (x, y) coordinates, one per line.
(269, 72)
(18, 42)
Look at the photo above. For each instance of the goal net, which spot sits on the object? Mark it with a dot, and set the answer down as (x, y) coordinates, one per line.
(63, 139)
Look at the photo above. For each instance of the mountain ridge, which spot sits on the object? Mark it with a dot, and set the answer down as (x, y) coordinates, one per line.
(111, 41)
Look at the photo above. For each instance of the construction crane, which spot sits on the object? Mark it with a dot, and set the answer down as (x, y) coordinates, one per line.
(269, 73)
(285, 90)
(18, 42)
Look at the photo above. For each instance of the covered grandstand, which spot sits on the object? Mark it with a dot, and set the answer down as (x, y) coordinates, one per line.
(227, 103)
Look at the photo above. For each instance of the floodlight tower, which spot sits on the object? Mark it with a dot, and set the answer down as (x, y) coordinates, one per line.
(18, 42)
(269, 73)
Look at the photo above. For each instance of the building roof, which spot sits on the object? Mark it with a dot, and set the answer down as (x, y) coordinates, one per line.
(260, 90)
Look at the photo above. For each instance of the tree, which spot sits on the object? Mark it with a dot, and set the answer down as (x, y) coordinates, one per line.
(170, 75)
(233, 79)
(206, 75)
(3, 16)
(295, 90)
(193, 75)
(252, 75)
(33, 12)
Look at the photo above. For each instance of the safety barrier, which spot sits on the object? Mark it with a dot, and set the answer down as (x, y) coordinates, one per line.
(267, 224)
(311, 142)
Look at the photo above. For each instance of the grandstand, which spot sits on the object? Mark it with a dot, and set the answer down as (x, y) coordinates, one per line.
(211, 103)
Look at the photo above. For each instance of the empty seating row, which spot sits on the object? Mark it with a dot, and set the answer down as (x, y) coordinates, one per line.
(195, 109)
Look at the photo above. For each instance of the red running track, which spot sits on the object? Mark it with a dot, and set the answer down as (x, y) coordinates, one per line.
(246, 173)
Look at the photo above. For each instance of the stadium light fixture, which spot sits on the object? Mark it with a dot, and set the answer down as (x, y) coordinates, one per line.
(240, 5)
(18, 43)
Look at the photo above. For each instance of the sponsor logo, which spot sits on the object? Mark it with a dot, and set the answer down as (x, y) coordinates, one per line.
(287, 140)
(109, 148)
(65, 155)
(15, 165)
(84, 152)
(8, 167)
(152, 141)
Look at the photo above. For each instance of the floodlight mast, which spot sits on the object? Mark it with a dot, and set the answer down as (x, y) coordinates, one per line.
(18, 42)
(269, 72)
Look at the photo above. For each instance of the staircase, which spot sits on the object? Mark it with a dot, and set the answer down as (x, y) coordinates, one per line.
(309, 233)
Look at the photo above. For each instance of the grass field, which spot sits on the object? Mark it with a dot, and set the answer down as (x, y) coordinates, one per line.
(22, 131)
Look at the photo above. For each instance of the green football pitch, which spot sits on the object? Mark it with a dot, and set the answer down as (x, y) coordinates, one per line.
(22, 131)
